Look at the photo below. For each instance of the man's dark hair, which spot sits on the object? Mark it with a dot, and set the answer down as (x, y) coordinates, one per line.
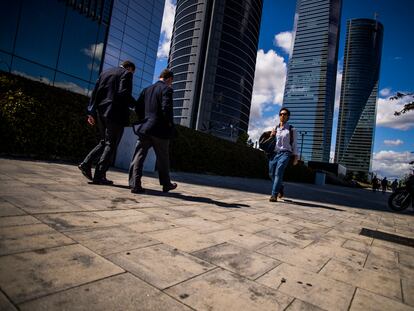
(285, 109)
(166, 73)
(128, 64)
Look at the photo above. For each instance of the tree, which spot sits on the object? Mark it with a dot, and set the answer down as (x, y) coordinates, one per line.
(243, 138)
(408, 106)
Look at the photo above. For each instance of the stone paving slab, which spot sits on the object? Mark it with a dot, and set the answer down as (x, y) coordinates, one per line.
(121, 292)
(367, 301)
(237, 259)
(222, 290)
(5, 304)
(367, 279)
(316, 289)
(30, 237)
(8, 209)
(105, 241)
(298, 305)
(214, 243)
(29, 275)
(170, 267)
(11, 221)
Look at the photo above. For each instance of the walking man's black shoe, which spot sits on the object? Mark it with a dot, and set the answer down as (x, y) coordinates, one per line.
(273, 198)
(169, 187)
(86, 170)
(102, 181)
(138, 190)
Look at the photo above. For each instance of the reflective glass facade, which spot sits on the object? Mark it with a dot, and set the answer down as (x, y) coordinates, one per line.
(133, 34)
(213, 57)
(310, 83)
(359, 92)
(57, 42)
(63, 43)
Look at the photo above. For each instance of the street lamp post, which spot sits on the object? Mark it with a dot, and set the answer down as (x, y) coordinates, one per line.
(302, 133)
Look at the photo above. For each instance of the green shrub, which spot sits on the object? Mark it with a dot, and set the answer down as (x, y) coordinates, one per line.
(194, 151)
(42, 121)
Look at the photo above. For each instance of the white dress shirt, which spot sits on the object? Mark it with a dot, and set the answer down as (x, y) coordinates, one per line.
(283, 139)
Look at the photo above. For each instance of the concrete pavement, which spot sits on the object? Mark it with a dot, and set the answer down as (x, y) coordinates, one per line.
(215, 243)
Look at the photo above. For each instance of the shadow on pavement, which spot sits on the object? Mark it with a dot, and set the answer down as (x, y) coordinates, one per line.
(306, 204)
(192, 198)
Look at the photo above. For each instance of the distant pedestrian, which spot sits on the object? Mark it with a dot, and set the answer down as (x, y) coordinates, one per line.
(374, 183)
(155, 104)
(384, 184)
(109, 108)
(285, 148)
(394, 185)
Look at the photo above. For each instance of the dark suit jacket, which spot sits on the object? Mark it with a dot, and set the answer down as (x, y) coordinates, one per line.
(155, 106)
(112, 96)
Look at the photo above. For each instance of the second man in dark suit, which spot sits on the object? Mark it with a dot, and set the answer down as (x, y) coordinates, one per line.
(109, 107)
(155, 105)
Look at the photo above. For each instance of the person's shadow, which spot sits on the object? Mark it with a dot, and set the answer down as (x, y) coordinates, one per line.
(191, 198)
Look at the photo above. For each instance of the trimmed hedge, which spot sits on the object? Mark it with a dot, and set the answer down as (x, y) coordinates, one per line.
(43, 121)
(198, 152)
(46, 122)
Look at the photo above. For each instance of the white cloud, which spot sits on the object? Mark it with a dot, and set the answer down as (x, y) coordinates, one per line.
(391, 163)
(166, 29)
(269, 84)
(386, 118)
(284, 40)
(396, 142)
(385, 92)
(259, 126)
(94, 49)
(71, 86)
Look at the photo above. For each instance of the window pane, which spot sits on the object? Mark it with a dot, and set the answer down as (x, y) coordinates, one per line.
(9, 11)
(79, 45)
(40, 30)
(32, 71)
(72, 84)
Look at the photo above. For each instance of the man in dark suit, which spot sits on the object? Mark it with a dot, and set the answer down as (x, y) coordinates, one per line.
(109, 108)
(155, 104)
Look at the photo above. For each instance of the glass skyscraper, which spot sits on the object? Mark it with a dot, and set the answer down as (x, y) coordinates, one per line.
(311, 78)
(213, 57)
(67, 43)
(359, 92)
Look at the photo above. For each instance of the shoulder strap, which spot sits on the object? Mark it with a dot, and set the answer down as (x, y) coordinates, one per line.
(291, 135)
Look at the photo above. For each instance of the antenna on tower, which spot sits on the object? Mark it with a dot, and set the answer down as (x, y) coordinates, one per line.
(376, 15)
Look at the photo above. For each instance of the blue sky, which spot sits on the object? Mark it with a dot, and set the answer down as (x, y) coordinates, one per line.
(394, 136)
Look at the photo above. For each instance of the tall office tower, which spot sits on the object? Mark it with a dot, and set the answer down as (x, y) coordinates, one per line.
(310, 83)
(63, 42)
(213, 56)
(359, 92)
(134, 32)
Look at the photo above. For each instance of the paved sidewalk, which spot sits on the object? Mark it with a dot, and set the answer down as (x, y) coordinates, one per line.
(213, 244)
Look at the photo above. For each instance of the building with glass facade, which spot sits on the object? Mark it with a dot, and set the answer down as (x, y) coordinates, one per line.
(213, 57)
(68, 43)
(359, 93)
(311, 78)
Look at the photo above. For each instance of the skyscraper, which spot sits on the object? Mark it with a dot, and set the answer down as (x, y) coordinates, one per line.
(310, 83)
(359, 92)
(67, 43)
(213, 56)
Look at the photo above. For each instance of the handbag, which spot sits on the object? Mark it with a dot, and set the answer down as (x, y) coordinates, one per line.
(267, 143)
